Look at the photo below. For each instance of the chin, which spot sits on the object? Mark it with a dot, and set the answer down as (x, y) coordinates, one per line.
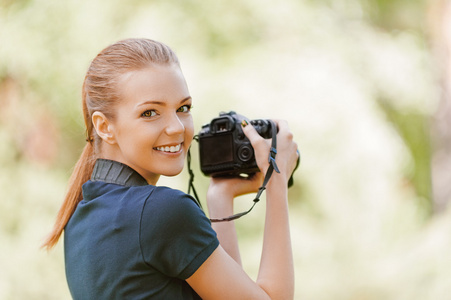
(172, 173)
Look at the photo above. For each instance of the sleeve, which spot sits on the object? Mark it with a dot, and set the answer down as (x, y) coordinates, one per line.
(176, 236)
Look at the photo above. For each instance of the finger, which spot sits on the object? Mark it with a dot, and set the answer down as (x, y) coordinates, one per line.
(250, 132)
(282, 125)
(284, 130)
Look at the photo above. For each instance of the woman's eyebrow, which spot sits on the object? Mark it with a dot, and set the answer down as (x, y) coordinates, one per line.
(155, 102)
(162, 103)
(186, 99)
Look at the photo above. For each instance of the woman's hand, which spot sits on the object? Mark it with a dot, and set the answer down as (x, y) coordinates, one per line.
(222, 191)
(286, 156)
(237, 186)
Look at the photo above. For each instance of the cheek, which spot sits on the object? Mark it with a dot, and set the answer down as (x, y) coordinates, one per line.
(189, 129)
(139, 137)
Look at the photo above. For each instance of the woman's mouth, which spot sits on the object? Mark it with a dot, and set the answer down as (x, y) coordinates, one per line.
(169, 149)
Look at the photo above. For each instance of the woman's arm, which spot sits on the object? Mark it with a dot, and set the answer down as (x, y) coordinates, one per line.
(220, 195)
(276, 274)
(221, 276)
(220, 204)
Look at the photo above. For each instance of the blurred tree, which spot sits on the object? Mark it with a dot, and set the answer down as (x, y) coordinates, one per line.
(412, 125)
(431, 148)
(398, 14)
(440, 24)
(414, 129)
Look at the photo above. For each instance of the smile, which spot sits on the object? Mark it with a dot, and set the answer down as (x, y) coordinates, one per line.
(170, 149)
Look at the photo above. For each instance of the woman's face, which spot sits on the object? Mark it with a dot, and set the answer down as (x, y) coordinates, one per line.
(153, 127)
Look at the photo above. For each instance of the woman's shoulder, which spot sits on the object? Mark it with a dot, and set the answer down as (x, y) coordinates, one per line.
(174, 212)
(170, 192)
(176, 237)
(163, 196)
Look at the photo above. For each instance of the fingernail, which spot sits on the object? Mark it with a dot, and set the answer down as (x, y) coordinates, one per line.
(244, 123)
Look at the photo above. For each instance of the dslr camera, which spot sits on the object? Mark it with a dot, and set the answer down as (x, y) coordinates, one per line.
(224, 149)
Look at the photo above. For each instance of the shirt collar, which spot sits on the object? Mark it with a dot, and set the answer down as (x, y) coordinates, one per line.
(111, 171)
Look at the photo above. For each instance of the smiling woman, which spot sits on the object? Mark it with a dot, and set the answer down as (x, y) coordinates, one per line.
(155, 105)
(126, 238)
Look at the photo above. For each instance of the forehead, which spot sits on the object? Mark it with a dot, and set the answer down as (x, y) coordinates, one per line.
(155, 82)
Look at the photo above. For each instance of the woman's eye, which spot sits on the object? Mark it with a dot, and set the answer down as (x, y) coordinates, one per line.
(148, 114)
(184, 108)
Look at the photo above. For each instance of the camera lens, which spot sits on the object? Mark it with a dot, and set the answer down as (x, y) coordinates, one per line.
(245, 153)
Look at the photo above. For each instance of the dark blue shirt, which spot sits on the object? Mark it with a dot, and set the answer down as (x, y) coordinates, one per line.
(131, 240)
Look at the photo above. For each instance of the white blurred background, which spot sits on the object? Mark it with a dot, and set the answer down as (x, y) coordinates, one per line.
(363, 85)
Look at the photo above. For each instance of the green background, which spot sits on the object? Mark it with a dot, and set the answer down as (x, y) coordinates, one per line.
(361, 83)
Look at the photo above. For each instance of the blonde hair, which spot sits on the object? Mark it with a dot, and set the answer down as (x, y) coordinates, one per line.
(100, 93)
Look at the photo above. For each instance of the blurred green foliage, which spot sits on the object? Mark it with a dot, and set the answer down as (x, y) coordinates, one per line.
(414, 129)
(355, 79)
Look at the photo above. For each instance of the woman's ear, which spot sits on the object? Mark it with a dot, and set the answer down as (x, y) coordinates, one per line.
(103, 127)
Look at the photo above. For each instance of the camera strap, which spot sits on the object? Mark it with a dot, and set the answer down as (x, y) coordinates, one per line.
(272, 167)
(191, 175)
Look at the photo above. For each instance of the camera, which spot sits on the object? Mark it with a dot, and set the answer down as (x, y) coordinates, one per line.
(224, 149)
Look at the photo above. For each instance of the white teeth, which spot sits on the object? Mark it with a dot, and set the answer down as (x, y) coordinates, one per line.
(171, 149)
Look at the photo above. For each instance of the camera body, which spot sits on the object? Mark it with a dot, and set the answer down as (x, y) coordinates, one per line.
(224, 150)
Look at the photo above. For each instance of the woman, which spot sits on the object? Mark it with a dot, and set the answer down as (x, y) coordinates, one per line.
(126, 238)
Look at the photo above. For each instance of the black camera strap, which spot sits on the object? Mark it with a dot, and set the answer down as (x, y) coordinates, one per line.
(272, 167)
(191, 176)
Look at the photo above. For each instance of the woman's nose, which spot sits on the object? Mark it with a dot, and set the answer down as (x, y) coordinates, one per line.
(175, 125)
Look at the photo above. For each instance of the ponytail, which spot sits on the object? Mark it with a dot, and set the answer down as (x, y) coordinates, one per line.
(81, 174)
